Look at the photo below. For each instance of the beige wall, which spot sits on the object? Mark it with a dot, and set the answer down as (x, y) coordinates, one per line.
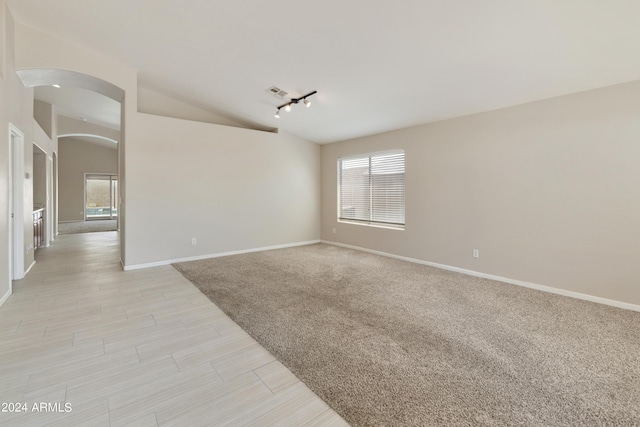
(43, 114)
(230, 188)
(39, 179)
(75, 158)
(547, 192)
(3, 39)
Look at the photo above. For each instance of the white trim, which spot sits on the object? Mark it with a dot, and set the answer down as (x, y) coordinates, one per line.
(9, 214)
(397, 227)
(543, 288)
(5, 297)
(54, 194)
(30, 267)
(16, 200)
(217, 255)
(372, 153)
(88, 135)
(48, 228)
(44, 150)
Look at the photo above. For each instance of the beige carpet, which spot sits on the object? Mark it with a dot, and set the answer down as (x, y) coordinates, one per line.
(87, 226)
(387, 342)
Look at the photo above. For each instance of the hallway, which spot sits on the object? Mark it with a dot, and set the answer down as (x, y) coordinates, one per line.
(100, 346)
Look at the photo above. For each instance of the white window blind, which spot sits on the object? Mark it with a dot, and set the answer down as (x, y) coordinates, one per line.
(371, 188)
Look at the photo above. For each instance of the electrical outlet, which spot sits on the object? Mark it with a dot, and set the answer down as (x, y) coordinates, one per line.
(476, 253)
(334, 230)
(194, 241)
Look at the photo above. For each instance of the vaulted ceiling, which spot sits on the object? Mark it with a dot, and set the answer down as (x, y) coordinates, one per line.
(377, 66)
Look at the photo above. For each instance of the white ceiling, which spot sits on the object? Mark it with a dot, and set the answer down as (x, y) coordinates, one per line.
(377, 66)
(81, 104)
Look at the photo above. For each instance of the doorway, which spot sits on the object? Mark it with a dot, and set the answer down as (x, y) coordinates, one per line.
(65, 87)
(101, 195)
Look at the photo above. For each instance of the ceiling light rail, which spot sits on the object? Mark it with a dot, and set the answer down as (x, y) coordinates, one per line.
(287, 105)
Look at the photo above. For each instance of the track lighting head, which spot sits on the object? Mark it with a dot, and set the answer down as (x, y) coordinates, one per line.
(277, 114)
(287, 105)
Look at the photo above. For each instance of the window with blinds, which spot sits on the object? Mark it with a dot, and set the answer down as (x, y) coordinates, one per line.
(371, 188)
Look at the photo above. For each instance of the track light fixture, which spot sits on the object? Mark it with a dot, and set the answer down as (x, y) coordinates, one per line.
(287, 105)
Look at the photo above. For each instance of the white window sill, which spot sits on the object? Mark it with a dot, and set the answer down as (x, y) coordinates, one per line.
(373, 224)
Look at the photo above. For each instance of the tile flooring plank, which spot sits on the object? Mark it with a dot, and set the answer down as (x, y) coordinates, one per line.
(126, 377)
(132, 337)
(142, 420)
(169, 400)
(328, 418)
(212, 349)
(244, 360)
(216, 409)
(276, 376)
(259, 409)
(301, 409)
(158, 388)
(188, 405)
(84, 371)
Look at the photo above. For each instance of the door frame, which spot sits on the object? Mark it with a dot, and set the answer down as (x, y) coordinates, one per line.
(16, 204)
(54, 196)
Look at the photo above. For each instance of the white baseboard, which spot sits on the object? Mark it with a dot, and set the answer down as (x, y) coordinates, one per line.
(216, 255)
(5, 297)
(543, 288)
(29, 269)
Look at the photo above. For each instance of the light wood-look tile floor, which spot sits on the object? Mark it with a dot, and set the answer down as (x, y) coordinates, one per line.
(140, 348)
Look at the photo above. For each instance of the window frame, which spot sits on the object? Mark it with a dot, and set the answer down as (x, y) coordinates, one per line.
(371, 222)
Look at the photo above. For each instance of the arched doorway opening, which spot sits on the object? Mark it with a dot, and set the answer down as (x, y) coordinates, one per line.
(87, 108)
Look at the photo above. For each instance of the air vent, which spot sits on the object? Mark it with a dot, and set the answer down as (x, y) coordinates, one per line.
(276, 91)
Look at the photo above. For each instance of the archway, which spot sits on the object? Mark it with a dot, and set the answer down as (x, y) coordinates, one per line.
(34, 78)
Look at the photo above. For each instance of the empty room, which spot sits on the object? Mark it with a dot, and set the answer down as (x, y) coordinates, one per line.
(340, 213)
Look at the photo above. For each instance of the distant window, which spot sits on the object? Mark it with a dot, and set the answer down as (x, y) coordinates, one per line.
(371, 189)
